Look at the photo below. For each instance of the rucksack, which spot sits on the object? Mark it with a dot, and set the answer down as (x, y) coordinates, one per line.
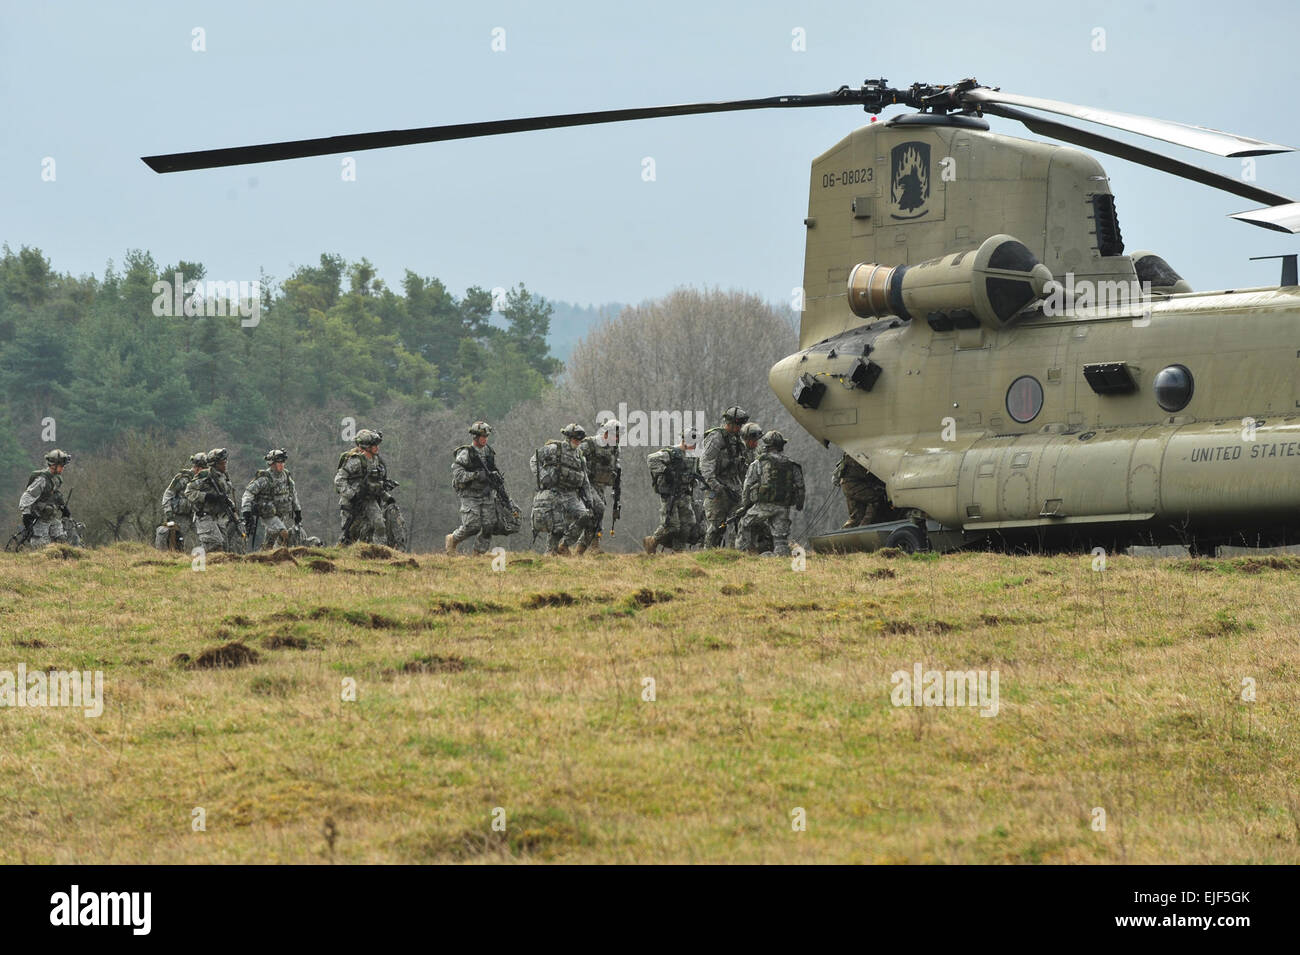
(664, 469)
(780, 481)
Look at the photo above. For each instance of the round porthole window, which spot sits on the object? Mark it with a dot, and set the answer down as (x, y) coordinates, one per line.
(1024, 399)
(1173, 387)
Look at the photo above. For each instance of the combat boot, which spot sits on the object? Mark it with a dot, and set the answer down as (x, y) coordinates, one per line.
(649, 544)
(580, 549)
(563, 551)
(450, 545)
(594, 547)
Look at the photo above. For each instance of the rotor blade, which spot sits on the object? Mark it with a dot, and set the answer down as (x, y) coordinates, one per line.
(1180, 134)
(298, 149)
(1283, 218)
(1144, 157)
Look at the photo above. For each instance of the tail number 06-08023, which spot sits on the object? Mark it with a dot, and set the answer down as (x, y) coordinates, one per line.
(848, 177)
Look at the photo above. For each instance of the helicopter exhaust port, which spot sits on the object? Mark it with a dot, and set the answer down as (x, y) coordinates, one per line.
(990, 285)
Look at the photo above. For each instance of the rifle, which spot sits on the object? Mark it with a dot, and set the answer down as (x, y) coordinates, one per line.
(618, 497)
(19, 538)
(497, 483)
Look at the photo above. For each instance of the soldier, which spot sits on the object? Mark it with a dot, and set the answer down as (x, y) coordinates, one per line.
(864, 493)
(275, 497)
(177, 527)
(561, 470)
(722, 462)
(673, 475)
(691, 438)
(42, 505)
(751, 434)
(601, 454)
(212, 497)
(773, 484)
(362, 484)
(473, 472)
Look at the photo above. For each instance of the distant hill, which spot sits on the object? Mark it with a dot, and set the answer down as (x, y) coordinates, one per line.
(570, 322)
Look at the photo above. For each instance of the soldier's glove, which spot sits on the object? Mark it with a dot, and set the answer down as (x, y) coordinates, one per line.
(28, 521)
(297, 517)
(66, 513)
(246, 517)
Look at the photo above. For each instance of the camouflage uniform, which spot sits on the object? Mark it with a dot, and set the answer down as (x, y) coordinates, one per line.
(363, 498)
(601, 454)
(722, 460)
(42, 504)
(864, 493)
(478, 503)
(217, 530)
(178, 513)
(761, 538)
(275, 496)
(560, 469)
(773, 484)
(672, 476)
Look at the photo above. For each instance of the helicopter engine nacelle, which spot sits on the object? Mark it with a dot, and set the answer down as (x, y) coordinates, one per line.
(989, 286)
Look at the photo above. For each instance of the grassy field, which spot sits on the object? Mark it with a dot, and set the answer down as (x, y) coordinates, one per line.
(523, 691)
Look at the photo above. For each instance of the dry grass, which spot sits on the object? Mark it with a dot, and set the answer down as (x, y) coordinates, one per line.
(523, 690)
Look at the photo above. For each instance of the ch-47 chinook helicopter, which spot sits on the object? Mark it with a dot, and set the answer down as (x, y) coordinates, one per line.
(975, 335)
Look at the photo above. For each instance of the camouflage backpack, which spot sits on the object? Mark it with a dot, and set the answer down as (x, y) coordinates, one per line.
(780, 480)
(665, 466)
(545, 463)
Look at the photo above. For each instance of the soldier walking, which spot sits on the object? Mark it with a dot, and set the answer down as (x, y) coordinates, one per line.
(473, 474)
(563, 487)
(773, 484)
(600, 451)
(722, 463)
(177, 528)
(272, 498)
(212, 498)
(673, 475)
(42, 505)
(363, 487)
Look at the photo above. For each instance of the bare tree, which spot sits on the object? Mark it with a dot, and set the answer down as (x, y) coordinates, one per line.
(698, 352)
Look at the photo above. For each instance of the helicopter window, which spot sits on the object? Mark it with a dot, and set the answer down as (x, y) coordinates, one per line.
(1024, 399)
(1173, 387)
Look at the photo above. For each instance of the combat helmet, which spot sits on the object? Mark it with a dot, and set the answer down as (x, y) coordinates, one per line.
(368, 439)
(480, 429)
(752, 432)
(217, 455)
(276, 454)
(774, 439)
(56, 456)
(691, 436)
(572, 430)
(735, 415)
(199, 459)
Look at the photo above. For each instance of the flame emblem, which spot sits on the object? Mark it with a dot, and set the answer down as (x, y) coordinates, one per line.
(909, 181)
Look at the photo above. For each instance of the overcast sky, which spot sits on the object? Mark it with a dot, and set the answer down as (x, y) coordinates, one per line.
(97, 85)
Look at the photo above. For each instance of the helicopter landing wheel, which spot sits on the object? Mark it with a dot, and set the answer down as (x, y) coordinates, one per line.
(909, 539)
